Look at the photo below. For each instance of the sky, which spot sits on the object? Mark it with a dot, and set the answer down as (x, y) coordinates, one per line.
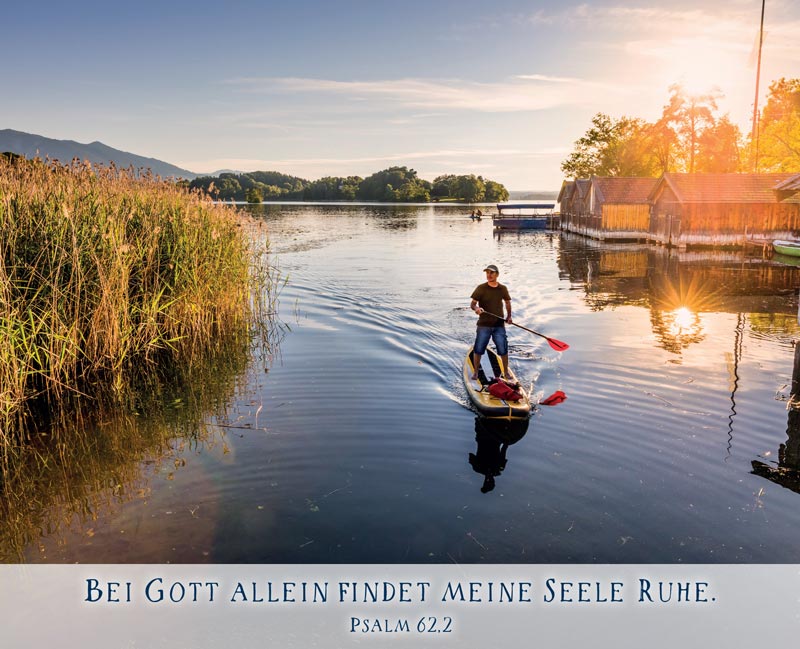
(500, 89)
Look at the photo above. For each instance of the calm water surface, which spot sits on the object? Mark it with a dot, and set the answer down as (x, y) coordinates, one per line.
(358, 445)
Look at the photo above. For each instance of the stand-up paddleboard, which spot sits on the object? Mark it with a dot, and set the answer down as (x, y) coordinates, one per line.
(485, 403)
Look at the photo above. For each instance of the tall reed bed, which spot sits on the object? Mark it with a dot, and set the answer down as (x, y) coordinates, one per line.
(106, 274)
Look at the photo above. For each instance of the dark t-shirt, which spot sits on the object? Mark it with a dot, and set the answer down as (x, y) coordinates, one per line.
(491, 299)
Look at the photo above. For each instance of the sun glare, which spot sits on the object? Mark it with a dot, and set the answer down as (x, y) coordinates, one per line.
(682, 319)
(701, 66)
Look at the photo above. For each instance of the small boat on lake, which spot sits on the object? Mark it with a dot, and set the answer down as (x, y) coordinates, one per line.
(487, 404)
(527, 216)
(790, 248)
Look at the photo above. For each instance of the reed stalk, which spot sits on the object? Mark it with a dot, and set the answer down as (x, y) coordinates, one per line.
(109, 274)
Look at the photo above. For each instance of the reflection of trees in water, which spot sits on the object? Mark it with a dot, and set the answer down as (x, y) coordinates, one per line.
(394, 217)
(90, 456)
(397, 218)
(769, 323)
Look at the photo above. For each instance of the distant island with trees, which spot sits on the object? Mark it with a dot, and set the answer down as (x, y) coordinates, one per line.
(392, 185)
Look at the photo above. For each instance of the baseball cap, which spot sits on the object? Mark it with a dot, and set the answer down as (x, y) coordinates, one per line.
(492, 268)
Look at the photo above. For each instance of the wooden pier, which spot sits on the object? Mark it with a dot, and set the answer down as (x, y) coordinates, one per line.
(758, 246)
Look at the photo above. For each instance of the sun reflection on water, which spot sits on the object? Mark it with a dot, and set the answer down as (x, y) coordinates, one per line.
(683, 321)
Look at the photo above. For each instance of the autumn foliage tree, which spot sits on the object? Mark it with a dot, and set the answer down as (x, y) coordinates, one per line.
(689, 116)
(779, 128)
(719, 148)
(688, 137)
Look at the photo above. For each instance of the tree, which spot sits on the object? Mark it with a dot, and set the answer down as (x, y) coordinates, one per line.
(412, 193)
(273, 192)
(586, 159)
(663, 145)
(470, 188)
(228, 188)
(495, 192)
(779, 128)
(393, 184)
(719, 148)
(688, 116)
(444, 186)
(332, 188)
(254, 195)
(783, 100)
(615, 147)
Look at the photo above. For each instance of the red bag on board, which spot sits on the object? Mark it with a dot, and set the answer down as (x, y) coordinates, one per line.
(504, 391)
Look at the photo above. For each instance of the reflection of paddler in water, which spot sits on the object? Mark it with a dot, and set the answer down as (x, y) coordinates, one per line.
(494, 436)
(787, 473)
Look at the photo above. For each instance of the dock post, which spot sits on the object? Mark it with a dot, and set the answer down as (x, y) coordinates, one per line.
(795, 396)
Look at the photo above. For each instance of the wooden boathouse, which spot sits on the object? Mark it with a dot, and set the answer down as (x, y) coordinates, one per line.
(681, 209)
(724, 209)
(607, 208)
(573, 202)
(788, 187)
(564, 199)
(619, 208)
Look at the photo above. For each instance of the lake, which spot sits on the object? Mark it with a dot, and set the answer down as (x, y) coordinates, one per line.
(355, 442)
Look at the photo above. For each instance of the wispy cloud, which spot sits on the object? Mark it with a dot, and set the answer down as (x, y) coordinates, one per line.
(732, 28)
(703, 47)
(521, 93)
(549, 79)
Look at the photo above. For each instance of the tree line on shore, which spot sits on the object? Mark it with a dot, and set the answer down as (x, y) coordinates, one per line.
(395, 184)
(691, 136)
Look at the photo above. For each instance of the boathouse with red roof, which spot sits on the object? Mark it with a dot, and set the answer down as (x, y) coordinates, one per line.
(609, 207)
(724, 209)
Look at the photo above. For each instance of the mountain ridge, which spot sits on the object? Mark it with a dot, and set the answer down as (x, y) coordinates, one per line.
(31, 145)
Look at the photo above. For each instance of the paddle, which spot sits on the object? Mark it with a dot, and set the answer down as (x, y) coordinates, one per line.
(554, 399)
(555, 344)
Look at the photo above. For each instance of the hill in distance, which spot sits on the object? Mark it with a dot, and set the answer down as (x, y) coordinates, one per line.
(532, 194)
(30, 146)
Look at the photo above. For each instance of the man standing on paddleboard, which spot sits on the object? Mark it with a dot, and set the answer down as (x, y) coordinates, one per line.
(488, 299)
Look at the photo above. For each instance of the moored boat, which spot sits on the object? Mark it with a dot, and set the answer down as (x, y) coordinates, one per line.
(487, 404)
(526, 216)
(791, 248)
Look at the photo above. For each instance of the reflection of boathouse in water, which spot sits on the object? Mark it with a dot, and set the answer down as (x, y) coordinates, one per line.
(654, 277)
(677, 287)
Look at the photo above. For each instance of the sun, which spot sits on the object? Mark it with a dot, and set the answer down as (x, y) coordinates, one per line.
(700, 65)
